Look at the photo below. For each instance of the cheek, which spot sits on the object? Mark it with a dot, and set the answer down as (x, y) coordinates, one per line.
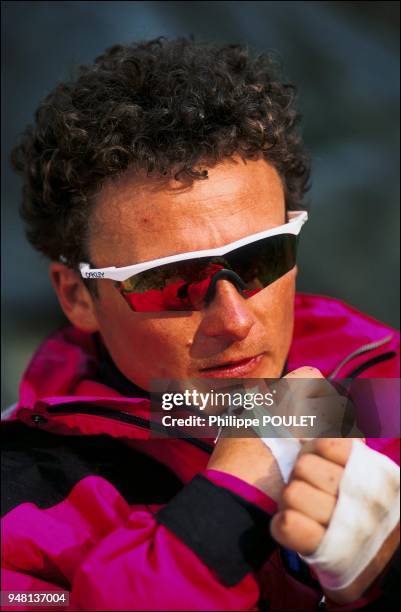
(277, 301)
(275, 309)
(144, 346)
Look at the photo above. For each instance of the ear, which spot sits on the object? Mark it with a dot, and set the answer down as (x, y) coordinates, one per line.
(74, 297)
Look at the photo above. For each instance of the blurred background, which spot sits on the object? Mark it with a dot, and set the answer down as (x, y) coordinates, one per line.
(344, 58)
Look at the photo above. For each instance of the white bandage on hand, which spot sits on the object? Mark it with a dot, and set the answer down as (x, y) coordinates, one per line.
(285, 451)
(283, 446)
(367, 511)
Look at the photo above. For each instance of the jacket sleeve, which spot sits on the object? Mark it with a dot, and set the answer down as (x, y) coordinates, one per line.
(199, 552)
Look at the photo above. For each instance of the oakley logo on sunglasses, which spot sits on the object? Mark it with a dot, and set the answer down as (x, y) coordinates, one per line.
(187, 281)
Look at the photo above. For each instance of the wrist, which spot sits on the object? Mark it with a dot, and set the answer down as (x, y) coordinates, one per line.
(243, 489)
(251, 461)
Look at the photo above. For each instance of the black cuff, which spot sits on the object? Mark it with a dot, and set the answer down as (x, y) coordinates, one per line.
(229, 534)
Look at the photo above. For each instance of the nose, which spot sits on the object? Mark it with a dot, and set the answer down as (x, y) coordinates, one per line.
(227, 314)
(228, 274)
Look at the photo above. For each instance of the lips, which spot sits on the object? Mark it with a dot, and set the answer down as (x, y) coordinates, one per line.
(232, 369)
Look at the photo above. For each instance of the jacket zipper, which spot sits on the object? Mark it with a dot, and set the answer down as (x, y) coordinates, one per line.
(365, 348)
(122, 416)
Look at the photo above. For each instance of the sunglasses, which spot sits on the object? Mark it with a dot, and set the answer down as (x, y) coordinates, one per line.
(187, 281)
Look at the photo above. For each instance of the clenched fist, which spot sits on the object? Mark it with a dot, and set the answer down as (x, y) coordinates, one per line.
(353, 553)
(308, 500)
(307, 503)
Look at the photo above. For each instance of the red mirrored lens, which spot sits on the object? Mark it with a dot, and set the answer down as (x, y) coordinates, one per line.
(175, 296)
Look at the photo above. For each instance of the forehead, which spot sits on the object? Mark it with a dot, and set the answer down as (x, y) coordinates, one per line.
(137, 218)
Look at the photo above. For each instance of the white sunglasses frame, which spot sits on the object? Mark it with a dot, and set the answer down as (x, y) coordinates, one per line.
(293, 226)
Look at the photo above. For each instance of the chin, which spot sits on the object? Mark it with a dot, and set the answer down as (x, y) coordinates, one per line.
(269, 370)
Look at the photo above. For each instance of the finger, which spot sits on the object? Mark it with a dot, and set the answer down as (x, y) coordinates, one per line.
(318, 472)
(312, 502)
(310, 382)
(305, 372)
(296, 531)
(306, 392)
(336, 450)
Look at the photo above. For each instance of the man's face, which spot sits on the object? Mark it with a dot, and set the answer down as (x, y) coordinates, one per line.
(135, 220)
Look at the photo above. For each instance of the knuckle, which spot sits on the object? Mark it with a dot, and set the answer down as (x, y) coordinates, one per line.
(333, 447)
(334, 476)
(275, 526)
(312, 371)
(286, 522)
(280, 525)
(345, 444)
(306, 372)
(303, 465)
(324, 445)
(292, 492)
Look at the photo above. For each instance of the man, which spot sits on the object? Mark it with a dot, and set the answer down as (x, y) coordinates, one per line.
(156, 150)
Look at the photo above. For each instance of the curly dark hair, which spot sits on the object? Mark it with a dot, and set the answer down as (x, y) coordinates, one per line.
(162, 106)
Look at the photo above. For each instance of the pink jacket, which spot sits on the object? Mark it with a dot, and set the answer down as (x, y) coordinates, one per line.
(95, 507)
